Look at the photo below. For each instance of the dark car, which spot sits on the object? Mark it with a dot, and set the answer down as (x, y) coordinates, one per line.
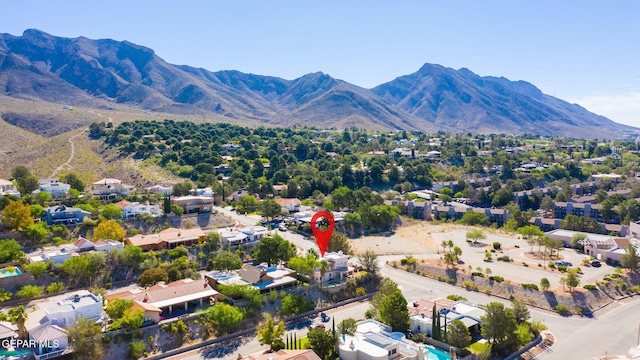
(596, 263)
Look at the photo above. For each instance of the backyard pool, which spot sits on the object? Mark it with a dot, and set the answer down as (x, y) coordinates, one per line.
(10, 272)
(331, 283)
(18, 354)
(435, 353)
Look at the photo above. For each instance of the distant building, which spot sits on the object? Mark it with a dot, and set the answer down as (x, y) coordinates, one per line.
(194, 204)
(8, 189)
(338, 268)
(289, 205)
(56, 189)
(134, 209)
(63, 215)
(164, 190)
(262, 277)
(167, 239)
(110, 189)
(376, 341)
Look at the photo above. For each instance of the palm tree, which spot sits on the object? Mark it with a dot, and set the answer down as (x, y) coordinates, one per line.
(324, 267)
(444, 245)
(18, 316)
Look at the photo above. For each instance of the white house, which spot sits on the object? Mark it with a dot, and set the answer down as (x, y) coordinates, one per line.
(233, 238)
(57, 255)
(289, 205)
(7, 188)
(421, 314)
(134, 209)
(254, 233)
(164, 190)
(338, 268)
(376, 341)
(57, 189)
(48, 322)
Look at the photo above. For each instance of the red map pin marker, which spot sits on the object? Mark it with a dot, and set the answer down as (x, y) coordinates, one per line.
(322, 237)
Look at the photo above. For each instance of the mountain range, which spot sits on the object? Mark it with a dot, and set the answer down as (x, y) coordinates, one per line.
(102, 73)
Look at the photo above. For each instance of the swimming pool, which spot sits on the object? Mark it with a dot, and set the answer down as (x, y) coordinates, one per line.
(435, 353)
(6, 273)
(331, 283)
(4, 354)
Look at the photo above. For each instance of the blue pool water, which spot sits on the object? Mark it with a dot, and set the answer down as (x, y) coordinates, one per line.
(436, 354)
(7, 273)
(4, 354)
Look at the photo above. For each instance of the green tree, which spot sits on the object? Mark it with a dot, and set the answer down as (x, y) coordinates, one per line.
(303, 265)
(293, 304)
(323, 343)
(386, 287)
(29, 291)
(271, 334)
(36, 232)
(572, 281)
(37, 211)
(36, 268)
(116, 308)
(131, 319)
(498, 326)
(136, 349)
(458, 334)
(393, 311)
(55, 287)
(74, 182)
(270, 208)
(224, 316)
(111, 211)
(271, 250)
(544, 283)
(16, 215)
(520, 311)
(575, 240)
(18, 315)
(85, 338)
(476, 235)
(530, 233)
(109, 229)
(369, 261)
(182, 189)
(630, 259)
(347, 326)
(339, 242)
(474, 218)
(10, 250)
(153, 276)
(42, 197)
(224, 261)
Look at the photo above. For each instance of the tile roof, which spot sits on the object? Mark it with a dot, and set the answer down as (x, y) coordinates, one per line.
(284, 355)
(47, 333)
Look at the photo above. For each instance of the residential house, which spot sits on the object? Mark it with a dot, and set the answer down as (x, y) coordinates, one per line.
(376, 341)
(338, 268)
(262, 277)
(236, 196)
(282, 354)
(232, 238)
(48, 322)
(421, 315)
(55, 254)
(254, 233)
(278, 189)
(194, 204)
(231, 147)
(8, 189)
(164, 190)
(134, 209)
(63, 215)
(162, 299)
(104, 245)
(56, 189)
(418, 209)
(8, 331)
(110, 189)
(289, 205)
(167, 239)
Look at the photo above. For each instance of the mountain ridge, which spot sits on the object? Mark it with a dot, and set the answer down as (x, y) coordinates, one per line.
(101, 73)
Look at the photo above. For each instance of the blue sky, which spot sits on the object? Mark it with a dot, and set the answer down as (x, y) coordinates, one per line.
(587, 52)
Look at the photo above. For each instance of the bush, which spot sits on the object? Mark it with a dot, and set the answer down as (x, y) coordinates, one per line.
(477, 274)
(470, 286)
(504, 258)
(29, 291)
(635, 288)
(551, 265)
(497, 245)
(496, 278)
(562, 309)
(530, 286)
(136, 349)
(454, 297)
(525, 264)
(589, 287)
(562, 268)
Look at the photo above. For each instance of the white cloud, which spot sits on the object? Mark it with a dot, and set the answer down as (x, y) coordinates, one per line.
(622, 108)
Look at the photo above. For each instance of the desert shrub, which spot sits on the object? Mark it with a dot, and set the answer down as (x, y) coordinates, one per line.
(496, 278)
(551, 265)
(635, 288)
(589, 287)
(477, 274)
(470, 286)
(530, 286)
(504, 258)
(623, 286)
(562, 268)
(525, 264)
(562, 309)
(454, 297)
(497, 245)
(577, 311)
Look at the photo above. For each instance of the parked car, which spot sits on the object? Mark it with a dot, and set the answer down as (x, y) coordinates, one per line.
(282, 227)
(325, 318)
(596, 263)
(563, 263)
